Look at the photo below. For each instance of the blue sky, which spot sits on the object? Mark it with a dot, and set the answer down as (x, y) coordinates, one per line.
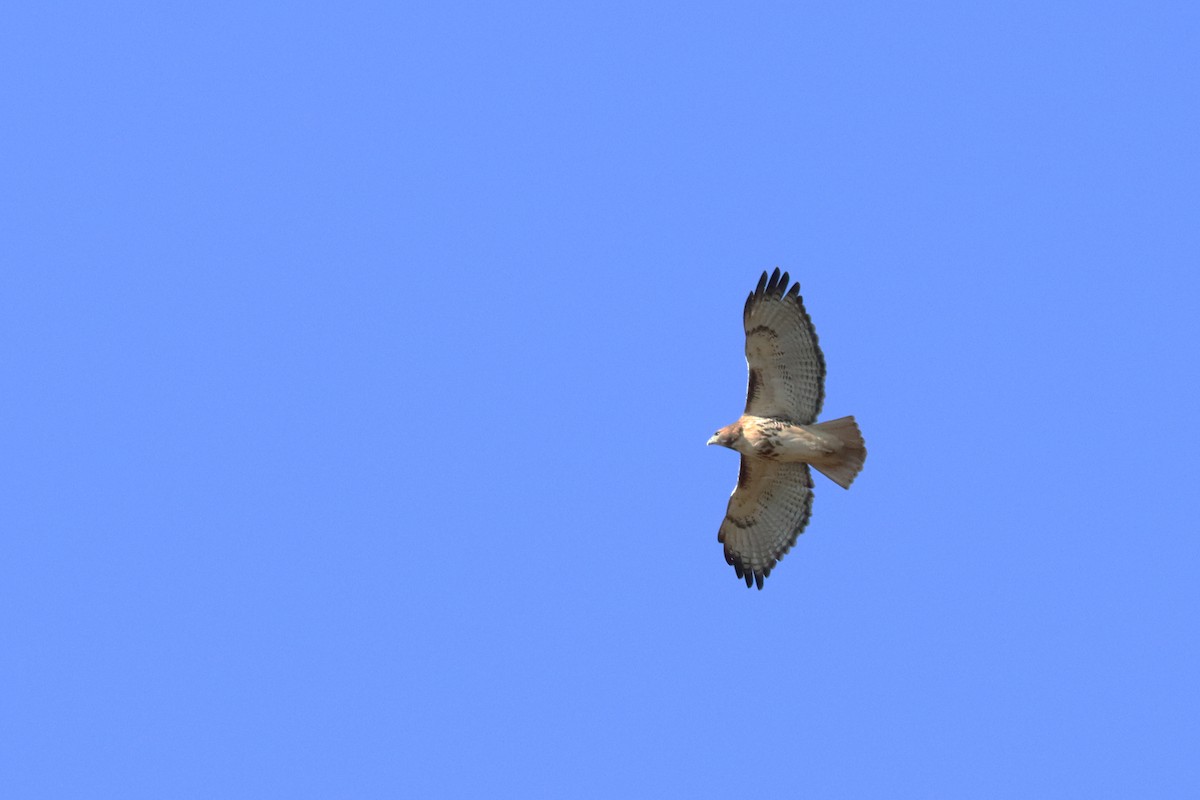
(359, 361)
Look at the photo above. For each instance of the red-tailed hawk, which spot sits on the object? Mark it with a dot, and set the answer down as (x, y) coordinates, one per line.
(779, 436)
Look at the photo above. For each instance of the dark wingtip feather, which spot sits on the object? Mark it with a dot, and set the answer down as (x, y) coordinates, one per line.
(753, 577)
(762, 283)
(774, 282)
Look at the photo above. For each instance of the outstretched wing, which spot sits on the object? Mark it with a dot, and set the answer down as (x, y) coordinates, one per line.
(787, 370)
(768, 510)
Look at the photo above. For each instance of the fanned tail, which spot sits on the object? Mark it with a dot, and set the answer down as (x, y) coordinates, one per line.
(845, 466)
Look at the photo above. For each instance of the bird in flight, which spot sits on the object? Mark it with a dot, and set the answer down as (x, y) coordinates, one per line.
(778, 436)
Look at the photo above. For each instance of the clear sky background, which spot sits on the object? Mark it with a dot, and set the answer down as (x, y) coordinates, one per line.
(359, 359)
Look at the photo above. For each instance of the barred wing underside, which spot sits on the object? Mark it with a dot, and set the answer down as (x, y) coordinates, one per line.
(767, 511)
(787, 369)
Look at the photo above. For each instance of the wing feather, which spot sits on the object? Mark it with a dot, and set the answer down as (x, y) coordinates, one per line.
(787, 368)
(767, 511)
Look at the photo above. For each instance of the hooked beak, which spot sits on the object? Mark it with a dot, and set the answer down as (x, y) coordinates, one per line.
(713, 440)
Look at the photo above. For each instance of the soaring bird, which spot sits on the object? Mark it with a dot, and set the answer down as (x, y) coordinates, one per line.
(778, 436)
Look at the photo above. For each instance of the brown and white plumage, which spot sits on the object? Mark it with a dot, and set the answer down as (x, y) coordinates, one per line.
(767, 512)
(787, 368)
(778, 436)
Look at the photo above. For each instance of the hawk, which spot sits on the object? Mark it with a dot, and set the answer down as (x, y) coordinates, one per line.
(778, 436)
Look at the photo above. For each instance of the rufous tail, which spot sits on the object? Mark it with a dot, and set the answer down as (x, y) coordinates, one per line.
(842, 468)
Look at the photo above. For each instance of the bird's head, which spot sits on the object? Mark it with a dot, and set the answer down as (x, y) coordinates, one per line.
(728, 436)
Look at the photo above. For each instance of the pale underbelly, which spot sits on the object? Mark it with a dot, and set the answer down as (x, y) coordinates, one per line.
(794, 443)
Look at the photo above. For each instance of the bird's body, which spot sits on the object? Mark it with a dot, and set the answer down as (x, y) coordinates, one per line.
(780, 440)
(778, 436)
